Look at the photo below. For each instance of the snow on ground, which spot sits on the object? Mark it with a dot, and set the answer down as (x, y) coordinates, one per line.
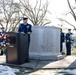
(54, 72)
(68, 71)
(6, 70)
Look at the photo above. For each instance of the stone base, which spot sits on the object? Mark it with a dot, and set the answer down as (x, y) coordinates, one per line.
(47, 58)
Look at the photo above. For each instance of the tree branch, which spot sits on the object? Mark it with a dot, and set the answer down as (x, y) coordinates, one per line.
(71, 10)
(67, 22)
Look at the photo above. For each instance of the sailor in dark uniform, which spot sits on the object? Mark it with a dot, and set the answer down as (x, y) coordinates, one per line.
(68, 42)
(61, 40)
(25, 28)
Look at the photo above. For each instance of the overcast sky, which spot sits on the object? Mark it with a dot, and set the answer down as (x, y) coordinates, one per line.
(55, 6)
(57, 9)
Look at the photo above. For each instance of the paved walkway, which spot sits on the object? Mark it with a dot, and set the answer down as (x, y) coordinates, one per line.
(66, 62)
(62, 62)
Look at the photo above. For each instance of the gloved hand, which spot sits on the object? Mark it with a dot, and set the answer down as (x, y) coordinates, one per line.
(67, 40)
(22, 32)
(28, 32)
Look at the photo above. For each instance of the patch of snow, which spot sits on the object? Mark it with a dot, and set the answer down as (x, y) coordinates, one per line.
(15, 70)
(6, 70)
(70, 71)
(59, 74)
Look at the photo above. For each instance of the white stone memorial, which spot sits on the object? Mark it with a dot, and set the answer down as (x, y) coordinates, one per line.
(45, 42)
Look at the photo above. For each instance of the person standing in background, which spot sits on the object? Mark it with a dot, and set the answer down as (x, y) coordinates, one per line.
(68, 42)
(1, 38)
(61, 41)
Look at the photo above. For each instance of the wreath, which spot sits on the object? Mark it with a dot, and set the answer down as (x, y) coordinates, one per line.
(4, 41)
(73, 40)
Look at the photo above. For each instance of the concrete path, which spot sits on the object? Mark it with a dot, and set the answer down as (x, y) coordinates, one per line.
(62, 62)
(66, 62)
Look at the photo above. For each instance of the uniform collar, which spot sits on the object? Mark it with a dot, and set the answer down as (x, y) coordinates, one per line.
(25, 23)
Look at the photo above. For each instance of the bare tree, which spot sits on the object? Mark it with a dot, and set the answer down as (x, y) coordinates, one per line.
(10, 15)
(72, 10)
(36, 14)
(63, 20)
